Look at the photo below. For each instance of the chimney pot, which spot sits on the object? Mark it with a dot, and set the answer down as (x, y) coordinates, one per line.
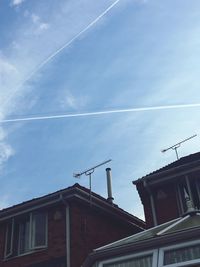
(109, 185)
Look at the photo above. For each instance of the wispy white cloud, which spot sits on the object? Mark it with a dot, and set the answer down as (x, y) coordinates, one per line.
(29, 63)
(6, 151)
(9, 75)
(44, 26)
(37, 39)
(67, 100)
(39, 24)
(17, 2)
(6, 69)
(35, 18)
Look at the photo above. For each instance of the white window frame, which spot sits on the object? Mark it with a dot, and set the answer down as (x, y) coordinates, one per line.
(31, 246)
(6, 255)
(154, 254)
(32, 237)
(182, 245)
(179, 201)
(19, 234)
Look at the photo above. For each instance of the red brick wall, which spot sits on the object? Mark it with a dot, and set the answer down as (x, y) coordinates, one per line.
(165, 202)
(56, 242)
(91, 229)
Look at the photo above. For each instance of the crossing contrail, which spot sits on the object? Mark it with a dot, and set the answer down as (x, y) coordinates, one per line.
(98, 113)
(48, 59)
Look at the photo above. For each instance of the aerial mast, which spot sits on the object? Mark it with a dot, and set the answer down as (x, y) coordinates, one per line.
(176, 146)
(89, 172)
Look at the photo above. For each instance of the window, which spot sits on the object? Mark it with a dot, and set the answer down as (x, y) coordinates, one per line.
(182, 191)
(9, 238)
(195, 188)
(180, 255)
(188, 187)
(39, 230)
(188, 190)
(26, 233)
(146, 259)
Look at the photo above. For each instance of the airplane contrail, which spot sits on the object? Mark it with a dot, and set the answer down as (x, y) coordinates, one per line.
(97, 113)
(41, 65)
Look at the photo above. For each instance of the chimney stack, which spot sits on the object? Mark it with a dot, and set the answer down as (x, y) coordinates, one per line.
(109, 185)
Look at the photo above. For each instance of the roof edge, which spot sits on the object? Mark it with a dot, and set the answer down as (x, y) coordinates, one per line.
(158, 173)
(75, 191)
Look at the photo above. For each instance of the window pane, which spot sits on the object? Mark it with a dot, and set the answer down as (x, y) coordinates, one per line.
(24, 236)
(194, 184)
(39, 229)
(182, 254)
(9, 237)
(183, 189)
(144, 261)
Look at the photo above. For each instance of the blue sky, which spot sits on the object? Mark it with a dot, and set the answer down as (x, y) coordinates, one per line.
(125, 54)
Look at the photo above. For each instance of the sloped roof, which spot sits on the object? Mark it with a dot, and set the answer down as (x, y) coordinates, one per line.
(181, 224)
(179, 230)
(76, 191)
(147, 234)
(181, 165)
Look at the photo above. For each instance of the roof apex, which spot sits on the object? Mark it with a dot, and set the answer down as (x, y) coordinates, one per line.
(75, 191)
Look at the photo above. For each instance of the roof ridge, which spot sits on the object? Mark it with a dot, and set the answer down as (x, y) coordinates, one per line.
(183, 161)
(75, 186)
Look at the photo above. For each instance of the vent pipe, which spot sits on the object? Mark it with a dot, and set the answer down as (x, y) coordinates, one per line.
(109, 185)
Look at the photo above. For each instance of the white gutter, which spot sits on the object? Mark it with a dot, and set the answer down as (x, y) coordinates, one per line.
(68, 260)
(168, 174)
(67, 230)
(29, 209)
(151, 202)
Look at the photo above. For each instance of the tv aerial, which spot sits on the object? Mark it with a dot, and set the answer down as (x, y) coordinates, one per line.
(89, 172)
(176, 146)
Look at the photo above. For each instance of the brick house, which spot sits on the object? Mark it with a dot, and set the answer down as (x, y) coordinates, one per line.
(171, 200)
(168, 187)
(60, 229)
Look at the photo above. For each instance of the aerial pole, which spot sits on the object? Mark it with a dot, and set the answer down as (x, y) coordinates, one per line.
(88, 173)
(176, 146)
